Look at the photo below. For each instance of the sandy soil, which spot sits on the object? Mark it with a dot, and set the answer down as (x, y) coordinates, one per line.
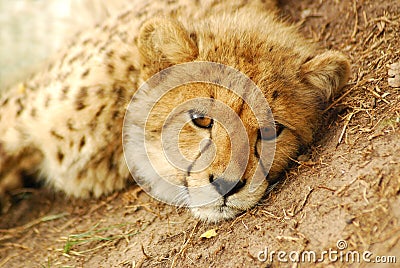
(345, 188)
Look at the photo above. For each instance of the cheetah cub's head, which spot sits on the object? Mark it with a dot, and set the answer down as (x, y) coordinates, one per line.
(197, 134)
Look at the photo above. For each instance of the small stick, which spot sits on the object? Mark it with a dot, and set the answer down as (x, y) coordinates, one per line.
(344, 187)
(144, 252)
(326, 188)
(378, 96)
(340, 98)
(344, 128)
(185, 244)
(310, 190)
(356, 20)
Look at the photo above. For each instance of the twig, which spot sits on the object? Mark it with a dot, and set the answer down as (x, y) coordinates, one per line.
(144, 253)
(6, 259)
(288, 238)
(356, 20)
(384, 19)
(271, 214)
(310, 190)
(237, 219)
(339, 99)
(326, 188)
(344, 128)
(344, 187)
(185, 244)
(377, 95)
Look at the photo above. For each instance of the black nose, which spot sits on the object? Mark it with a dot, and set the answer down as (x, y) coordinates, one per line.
(226, 188)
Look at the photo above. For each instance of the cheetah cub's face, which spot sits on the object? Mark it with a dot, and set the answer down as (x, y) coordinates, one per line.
(214, 146)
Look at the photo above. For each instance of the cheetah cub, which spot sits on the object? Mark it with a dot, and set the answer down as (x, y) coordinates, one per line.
(74, 126)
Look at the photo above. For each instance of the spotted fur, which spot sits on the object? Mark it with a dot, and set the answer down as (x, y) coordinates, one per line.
(65, 123)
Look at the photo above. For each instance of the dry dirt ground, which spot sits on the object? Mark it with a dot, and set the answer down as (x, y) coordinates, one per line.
(346, 188)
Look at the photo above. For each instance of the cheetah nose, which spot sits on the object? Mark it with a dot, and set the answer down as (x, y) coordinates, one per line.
(225, 187)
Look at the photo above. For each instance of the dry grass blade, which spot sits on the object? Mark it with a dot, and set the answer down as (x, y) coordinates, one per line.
(185, 244)
(349, 116)
(10, 233)
(94, 234)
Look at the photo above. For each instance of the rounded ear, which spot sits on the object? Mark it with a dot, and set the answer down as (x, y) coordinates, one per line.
(164, 42)
(328, 72)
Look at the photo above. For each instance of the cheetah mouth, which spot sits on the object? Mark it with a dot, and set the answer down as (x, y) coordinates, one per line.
(216, 213)
(223, 208)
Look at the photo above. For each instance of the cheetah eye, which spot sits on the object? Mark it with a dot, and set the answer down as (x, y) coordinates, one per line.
(269, 133)
(202, 121)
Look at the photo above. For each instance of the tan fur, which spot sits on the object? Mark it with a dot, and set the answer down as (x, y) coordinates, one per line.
(72, 113)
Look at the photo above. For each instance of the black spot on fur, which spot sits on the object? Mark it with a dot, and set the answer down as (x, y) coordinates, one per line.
(80, 98)
(86, 59)
(131, 68)
(86, 41)
(100, 92)
(47, 101)
(96, 43)
(74, 58)
(56, 135)
(82, 143)
(5, 102)
(50, 66)
(70, 125)
(60, 156)
(82, 173)
(111, 164)
(110, 54)
(275, 95)
(119, 92)
(64, 56)
(141, 13)
(33, 112)
(100, 111)
(193, 36)
(123, 57)
(308, 59)
(64, 92)
(92, 125)
(123, 15)
(79, 105)
(85, 73)
(110, 69)
(115, 115)
(20, 106)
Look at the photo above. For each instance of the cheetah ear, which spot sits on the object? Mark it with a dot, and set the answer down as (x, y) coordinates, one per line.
(164, 42)
(328, 72)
